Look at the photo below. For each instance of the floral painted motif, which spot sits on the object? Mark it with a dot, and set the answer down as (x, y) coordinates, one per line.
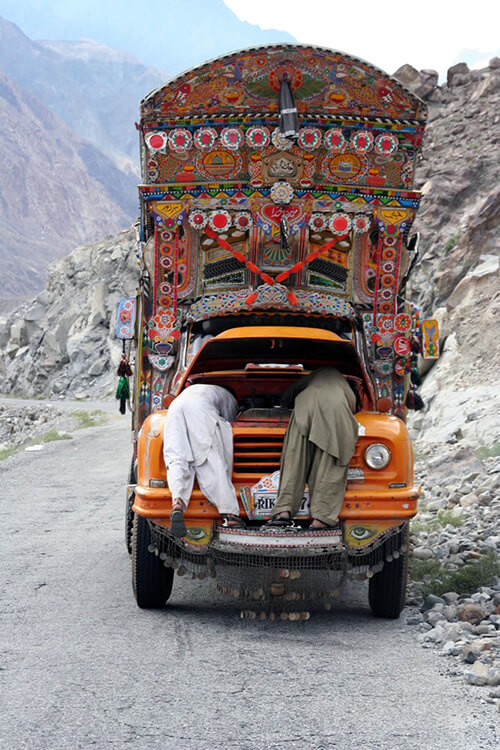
(258, 137)
(180, 139)
(334, 139)
(205, 138)
(362, 141)
(231, 138)
(309, 138)
(281, 143)
(386, 144)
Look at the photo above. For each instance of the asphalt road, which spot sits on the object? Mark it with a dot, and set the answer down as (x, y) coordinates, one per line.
(83, 667)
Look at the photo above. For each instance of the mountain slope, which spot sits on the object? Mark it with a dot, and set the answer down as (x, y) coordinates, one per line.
(94, 89)
(51, 198)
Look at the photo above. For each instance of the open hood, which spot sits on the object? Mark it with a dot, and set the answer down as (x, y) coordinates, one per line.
(236, 348)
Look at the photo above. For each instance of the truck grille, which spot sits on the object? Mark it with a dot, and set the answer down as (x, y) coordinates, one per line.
(257, 455)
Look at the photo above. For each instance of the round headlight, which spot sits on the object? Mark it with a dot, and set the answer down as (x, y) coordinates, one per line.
(377, 456)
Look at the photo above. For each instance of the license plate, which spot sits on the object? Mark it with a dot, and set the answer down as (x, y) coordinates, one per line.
(263, 504)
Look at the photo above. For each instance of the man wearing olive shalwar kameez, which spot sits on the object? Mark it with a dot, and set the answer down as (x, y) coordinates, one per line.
(318, 446)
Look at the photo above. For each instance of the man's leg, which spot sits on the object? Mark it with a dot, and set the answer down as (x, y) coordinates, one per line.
(295, 462)
(214, 479)
(327, 483)
(180, 479)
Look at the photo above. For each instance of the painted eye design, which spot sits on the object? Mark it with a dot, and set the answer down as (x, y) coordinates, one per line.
(360, 533)
(196, 534)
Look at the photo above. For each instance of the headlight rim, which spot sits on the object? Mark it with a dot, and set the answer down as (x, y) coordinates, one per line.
(373, 446)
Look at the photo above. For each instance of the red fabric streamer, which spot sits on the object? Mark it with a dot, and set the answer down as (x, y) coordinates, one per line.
(299, 266)
(264, 276)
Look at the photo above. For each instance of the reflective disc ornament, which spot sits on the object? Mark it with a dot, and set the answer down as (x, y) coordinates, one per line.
(402, 345)
(198, 219)
(156, 141)
(219, 221)
(243, 221)
(361, 223)
(282, 192)
(340, 223)
(402, 366)
(318, 222)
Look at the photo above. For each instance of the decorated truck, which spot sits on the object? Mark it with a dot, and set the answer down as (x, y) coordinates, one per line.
(275, 237)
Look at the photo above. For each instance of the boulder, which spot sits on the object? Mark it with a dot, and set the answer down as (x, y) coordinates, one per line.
(422, 83)
(458, 69)
(472, 613)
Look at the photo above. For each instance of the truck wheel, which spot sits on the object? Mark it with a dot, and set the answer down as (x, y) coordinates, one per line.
(387, 589)
(151, 580)
(129, 513)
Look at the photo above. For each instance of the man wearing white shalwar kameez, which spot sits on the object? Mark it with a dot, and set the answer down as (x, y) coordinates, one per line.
(198, 443)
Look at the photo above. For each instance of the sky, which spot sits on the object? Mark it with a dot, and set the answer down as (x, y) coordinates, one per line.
(433, 34)
(175, 35)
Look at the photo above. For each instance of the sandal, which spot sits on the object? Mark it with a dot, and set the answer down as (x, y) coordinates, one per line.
(177, 525)
(230, 521)
(279, 520)
(324, 526)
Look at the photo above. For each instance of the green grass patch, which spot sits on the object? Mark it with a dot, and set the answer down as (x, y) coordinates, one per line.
(442, 518)
(50, 437)
(450, 243)
(430, 577)
(488, 451)
(89, 419)
(7, 452)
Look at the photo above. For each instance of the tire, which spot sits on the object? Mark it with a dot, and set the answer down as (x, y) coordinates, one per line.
(387, 589)
(129, 513)
(151, 581)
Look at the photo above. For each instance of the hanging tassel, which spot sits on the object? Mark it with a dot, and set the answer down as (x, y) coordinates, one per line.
(414, 401)
(416, 377)
(123, 393)
(124, 371)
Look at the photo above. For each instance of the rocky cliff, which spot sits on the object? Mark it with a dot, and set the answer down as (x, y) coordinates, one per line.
(61, 341)
(456, 280)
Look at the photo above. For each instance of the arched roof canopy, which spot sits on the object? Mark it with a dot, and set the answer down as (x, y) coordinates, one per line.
(246, 83)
